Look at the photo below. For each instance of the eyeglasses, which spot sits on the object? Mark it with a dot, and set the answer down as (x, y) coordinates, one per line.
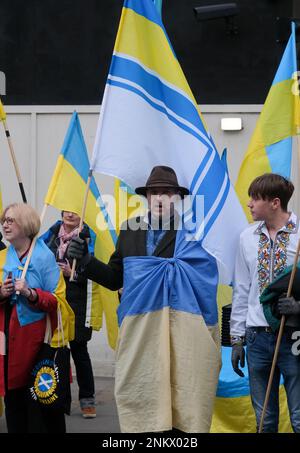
(8, 220)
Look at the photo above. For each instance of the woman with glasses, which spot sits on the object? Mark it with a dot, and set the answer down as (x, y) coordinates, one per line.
(57, 239)
(24, 305)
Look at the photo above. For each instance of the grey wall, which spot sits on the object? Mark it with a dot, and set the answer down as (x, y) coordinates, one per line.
(38, 133)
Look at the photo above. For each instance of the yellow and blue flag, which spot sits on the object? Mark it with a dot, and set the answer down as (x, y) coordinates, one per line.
(270, 148)
(128, 203)
(149, 117)
(233, 412)
(43, 272)
(66, 192)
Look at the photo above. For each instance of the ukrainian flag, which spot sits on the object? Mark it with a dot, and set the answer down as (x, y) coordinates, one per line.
(233, 412)
(66, 192)
(128, 203)
(270, 148)
(43, 273)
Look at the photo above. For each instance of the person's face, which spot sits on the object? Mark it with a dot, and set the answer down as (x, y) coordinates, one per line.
(11, 230)
(263, 209)
(70, 219)
(161, 202)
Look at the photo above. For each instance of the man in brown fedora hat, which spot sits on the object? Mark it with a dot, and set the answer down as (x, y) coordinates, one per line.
(167, 357)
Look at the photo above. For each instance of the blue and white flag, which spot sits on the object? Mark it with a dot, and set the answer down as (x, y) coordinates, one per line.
(149, 117)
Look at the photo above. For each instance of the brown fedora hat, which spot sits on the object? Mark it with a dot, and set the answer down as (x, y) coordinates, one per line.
(162, 176)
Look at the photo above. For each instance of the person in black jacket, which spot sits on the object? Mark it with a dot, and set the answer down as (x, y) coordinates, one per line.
(154, 234)
(164, 349)
(57, 239)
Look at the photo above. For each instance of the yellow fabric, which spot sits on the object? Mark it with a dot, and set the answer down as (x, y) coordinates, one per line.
(236, 415)
(126, 205)
(66, 192)
(171, 359)
(3, 254)
(2, 112)
(163, 62)
(68, 318)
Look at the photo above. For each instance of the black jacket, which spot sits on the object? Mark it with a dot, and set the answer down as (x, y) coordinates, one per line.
(76, 292)
(131, 242)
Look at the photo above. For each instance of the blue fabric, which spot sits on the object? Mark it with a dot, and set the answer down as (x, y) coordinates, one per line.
(177, 103)
(43, 272)
(187, 282)
(288, 64)
(280, 156)
(230, 384)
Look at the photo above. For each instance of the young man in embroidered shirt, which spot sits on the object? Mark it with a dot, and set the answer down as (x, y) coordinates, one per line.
(265, 250)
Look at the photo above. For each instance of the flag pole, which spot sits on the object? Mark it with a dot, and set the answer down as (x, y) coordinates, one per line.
(88, 183)
(24, 271)
(12, 153)
(280, 333)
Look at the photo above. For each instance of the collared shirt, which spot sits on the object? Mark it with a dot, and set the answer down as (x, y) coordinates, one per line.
(154, 233)
(258, 262)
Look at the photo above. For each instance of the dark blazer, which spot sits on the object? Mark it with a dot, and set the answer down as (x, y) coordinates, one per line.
(131, 242)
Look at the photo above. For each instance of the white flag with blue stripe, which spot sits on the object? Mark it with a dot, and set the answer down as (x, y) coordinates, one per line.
(149, 117)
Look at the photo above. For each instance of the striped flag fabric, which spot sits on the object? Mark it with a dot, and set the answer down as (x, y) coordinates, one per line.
(149, 117)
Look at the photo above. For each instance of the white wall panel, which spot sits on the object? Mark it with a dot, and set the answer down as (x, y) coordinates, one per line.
(38, 133)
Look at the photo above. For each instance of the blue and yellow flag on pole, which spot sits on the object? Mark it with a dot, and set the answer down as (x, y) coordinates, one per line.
(149, 117)
(128, 203)
(270, 148)
(66, 192)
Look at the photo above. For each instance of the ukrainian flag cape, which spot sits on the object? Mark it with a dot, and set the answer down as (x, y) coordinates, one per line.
(168, 350)
(44, 273)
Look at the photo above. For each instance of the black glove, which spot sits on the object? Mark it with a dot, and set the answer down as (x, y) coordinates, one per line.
(77, 249)
(238, 357)
(288, 306)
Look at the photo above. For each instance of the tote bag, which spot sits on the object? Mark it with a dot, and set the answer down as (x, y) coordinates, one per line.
(49, 383)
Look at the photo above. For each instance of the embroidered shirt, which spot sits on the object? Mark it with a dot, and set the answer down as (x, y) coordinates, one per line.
(258, 262)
